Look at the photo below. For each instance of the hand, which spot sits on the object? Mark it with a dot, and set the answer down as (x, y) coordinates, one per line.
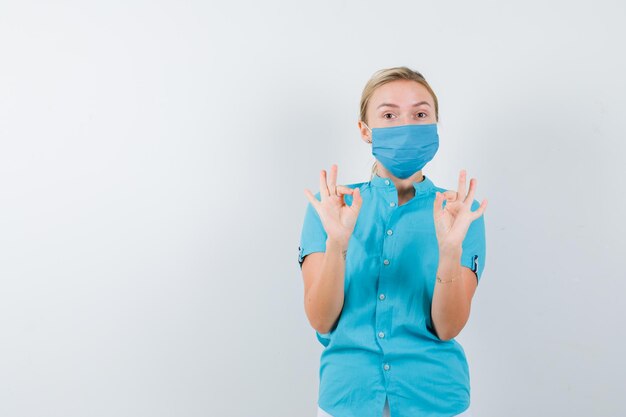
(453, 220)
(337, 217)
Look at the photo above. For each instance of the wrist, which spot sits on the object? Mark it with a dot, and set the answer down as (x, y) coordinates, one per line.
(336, 245)
(450, 250)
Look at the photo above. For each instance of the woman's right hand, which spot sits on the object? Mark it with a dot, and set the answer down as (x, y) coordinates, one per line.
(337, 217)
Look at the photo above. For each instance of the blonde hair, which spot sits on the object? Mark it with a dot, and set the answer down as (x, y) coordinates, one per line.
(385, 76)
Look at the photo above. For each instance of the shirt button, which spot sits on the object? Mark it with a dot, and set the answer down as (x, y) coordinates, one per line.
(386, 261)
(392, 204)
(381, 334)
(382, 296)
(389, 232)
(386, 182)
(386, 367)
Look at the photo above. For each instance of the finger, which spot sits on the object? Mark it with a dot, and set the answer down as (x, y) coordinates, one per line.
(472, 190)
(311, 197)
(461, 190)
(480, 210)
(357, 201)
(438, 205)
(341, 189)
(332, 185)
(324, 193)
(450, 195)
(447, 197)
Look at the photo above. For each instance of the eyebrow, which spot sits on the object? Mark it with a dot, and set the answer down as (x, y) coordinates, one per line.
(395, 105)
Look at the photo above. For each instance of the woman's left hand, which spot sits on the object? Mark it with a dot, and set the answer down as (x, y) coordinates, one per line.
(453, 220)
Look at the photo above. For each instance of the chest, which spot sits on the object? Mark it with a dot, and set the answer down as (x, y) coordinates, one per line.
(394, 243)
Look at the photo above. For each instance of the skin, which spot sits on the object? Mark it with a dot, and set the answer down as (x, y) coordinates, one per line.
(404, 94)
(396, 103)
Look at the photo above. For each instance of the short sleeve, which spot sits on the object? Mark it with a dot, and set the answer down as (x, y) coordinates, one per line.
(323, 338)
(313, 236)
(474, 247)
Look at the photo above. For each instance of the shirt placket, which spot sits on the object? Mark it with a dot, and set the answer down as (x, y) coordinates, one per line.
(385, 295)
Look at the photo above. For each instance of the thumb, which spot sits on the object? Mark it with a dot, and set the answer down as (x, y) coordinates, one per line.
(438, 205)
(357, 201)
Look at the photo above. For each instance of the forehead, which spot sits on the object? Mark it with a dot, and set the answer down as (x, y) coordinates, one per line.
(401, 92)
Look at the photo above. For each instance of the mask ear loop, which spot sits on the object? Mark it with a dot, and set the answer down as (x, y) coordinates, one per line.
(368, 128)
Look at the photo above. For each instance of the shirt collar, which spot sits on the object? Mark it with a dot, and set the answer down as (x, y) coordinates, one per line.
(422, 187)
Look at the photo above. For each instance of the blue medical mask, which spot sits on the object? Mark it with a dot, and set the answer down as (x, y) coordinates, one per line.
(405, 149)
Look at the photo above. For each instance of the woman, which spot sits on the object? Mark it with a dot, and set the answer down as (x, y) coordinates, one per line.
(390, 266)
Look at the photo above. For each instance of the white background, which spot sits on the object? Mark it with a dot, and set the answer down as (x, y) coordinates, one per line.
(153, 157)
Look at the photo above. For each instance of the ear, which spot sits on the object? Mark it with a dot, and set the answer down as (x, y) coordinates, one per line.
(366, 136)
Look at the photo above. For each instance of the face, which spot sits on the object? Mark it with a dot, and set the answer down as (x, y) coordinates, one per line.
(399, 102)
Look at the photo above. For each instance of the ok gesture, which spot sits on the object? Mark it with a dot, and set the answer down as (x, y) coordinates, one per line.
(453, 220)
(337, 217)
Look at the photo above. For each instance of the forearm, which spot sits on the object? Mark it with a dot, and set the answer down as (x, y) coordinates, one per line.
(324, 299)
(450, 306)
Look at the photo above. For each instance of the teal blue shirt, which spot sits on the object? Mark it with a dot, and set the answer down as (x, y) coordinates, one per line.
(384, 343)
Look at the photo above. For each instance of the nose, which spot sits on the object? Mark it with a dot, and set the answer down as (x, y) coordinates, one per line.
(407, 120)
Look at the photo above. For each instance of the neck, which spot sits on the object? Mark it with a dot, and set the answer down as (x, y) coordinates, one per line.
(404, 186)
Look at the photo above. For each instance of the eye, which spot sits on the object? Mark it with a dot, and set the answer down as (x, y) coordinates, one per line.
(388, 114)
(421, 115)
